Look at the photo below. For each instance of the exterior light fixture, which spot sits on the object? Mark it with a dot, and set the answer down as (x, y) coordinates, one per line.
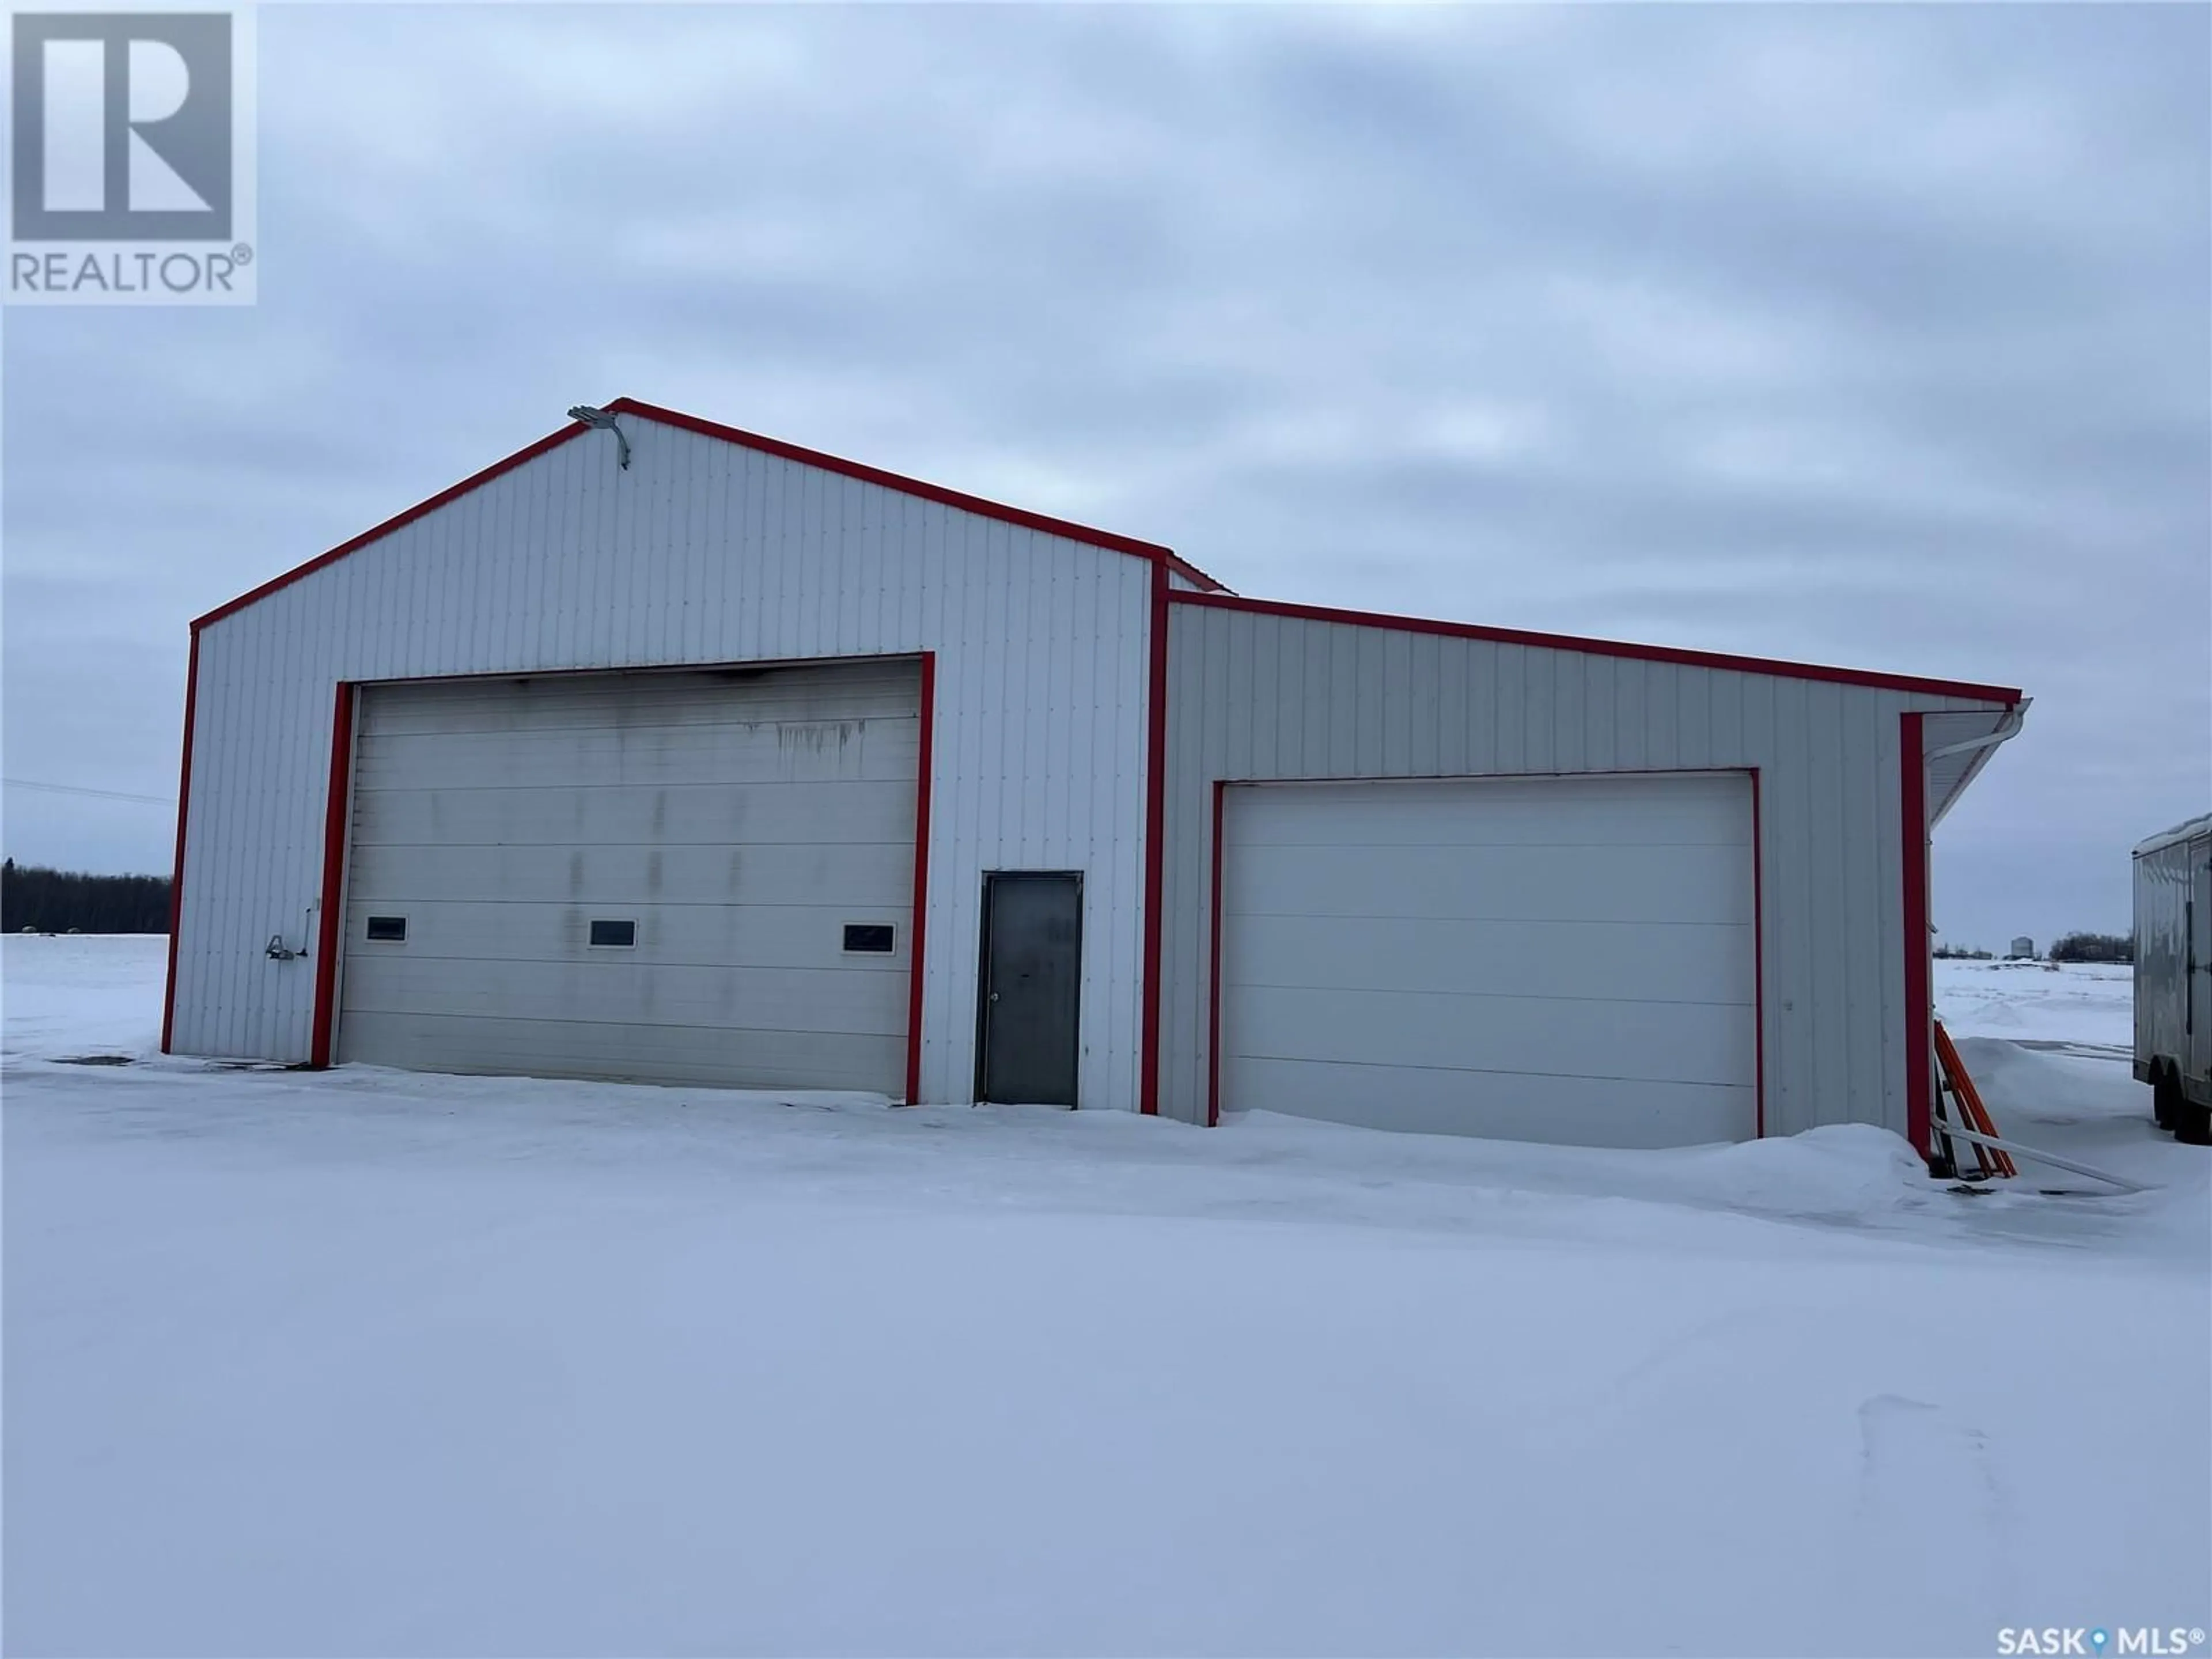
(599, 418)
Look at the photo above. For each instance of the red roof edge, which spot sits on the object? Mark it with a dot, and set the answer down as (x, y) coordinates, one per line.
(1152, 551)
(528, 453)
(1800, 671)
(1064, 528)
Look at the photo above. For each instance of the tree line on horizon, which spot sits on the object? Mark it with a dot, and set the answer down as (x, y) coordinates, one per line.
(2073, 947)
(36, 899)
(2094, 947)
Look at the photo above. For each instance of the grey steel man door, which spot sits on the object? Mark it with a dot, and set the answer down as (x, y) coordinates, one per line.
(1031, 985)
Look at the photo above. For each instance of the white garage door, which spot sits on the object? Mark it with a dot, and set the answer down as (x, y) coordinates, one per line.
(1561, 959)
(687, 878)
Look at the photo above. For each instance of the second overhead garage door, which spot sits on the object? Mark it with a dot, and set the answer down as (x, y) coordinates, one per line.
(675, 878)
(1562, 959)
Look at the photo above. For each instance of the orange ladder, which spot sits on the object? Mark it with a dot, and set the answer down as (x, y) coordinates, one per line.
(1991, 1160)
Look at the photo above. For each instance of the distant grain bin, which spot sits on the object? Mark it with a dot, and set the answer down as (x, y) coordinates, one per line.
(2023, 946)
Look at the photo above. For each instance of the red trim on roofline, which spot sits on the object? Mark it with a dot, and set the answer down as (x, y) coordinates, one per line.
(1994, 694)
(1160, 556)
(984, 507)
(529, 453)
(177, 869)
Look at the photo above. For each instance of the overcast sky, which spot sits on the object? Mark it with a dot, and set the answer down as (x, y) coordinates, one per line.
(1871, 336)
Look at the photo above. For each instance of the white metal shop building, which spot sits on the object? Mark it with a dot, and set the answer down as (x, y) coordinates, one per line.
(662, 751)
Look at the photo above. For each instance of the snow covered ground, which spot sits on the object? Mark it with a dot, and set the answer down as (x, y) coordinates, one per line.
(363, 1362)
(2079, 1004)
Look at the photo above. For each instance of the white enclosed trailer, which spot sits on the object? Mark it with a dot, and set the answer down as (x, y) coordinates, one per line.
(2174, 976)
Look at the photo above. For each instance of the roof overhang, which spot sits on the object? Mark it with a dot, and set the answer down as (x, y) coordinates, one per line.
(1958, 745)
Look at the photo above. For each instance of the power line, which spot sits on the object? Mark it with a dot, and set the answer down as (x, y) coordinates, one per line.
(78, 789)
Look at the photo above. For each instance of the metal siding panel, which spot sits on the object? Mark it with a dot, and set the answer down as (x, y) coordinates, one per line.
(1194, 639)
(1511, 710)
(1724, 718)
(1598, 711)
(1264, 695)
(1662, 714)
(1628, 689)
(1228, 738)
(1862, 895)
(1539, 712)
(1336, 726)
(1485, 671)
(1789, 888)
(1054, 728)
(1886, 808)
(1092, 643)
(1758, 720)
(1365, 691)
(225, 735)
(250, 811)
(1042, 671)
(1393, 698)
(1424, 691)
(1693, 718)
(1452, 663)
(843, 530)
(1132, 620)
(1570, 693)
(553, 566)
(1317, 642)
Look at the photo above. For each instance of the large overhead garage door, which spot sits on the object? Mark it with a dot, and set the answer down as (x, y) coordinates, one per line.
(1562, 959)
(683, 878)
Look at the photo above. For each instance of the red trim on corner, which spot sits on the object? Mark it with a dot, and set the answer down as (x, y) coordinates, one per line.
(1919, 995)
(329, 922)
(1156, 803)
(1800, 670)
(1161, 557)
(1068, 529)
(916, 928)
(1758, 955)
(1213, 971)
(177, 865)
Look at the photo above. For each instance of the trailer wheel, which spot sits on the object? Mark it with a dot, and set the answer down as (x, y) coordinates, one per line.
(2192, 1125)
(2164, 1094)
